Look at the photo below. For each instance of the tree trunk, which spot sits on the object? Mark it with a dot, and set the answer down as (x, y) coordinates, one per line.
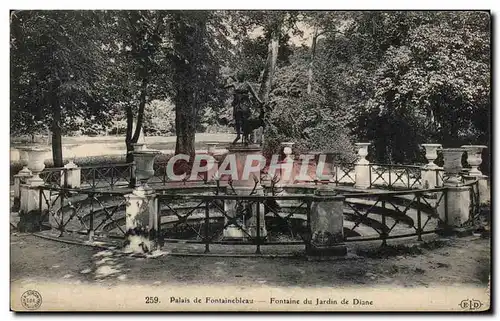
(186, 37)
(128, 134)
(140, 113)
(57, 157)
(311, 61)
(131, 135)
(272, 57)
(185, 120)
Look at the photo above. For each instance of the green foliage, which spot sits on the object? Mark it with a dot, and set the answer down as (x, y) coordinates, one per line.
(396, 79)
(55, 56)
(410, 78)
(159, 118)
(307, 120)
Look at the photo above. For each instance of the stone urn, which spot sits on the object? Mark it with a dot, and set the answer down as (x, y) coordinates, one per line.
(144, 161)
(474, 158)
(431, 153)
(452, 164)
(211, 148)
(287, 150)
(23, 156)
(362, 152)
(36, 158)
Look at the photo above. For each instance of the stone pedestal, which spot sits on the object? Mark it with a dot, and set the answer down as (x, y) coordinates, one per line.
(19, 179)
(141, 221)
(327, 224)
(30, 210)
(455, 211)
(362, 167)
(248, 162)
(30, 196)
(244, 164)
(483, 186)
(430, 177)
(71, 176)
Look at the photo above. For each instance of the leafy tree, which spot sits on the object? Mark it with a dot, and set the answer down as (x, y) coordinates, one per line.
(411, 77)
(138, 49)
(55, 71)
(200, 42)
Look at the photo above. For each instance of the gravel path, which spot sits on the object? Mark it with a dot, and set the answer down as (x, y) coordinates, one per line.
(460, 261)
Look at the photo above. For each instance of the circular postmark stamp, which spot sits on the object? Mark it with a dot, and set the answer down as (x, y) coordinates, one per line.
(31, 300)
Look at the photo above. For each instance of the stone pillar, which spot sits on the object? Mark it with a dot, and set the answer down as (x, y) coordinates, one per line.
(455, 211)
(141, 210)
(71, 175)
(242, 185)
(454, 208)
(30, 210)
(19, 179)
(362, 168)
(474, 159)
(327, 224)
(429, 174)
(141, 221)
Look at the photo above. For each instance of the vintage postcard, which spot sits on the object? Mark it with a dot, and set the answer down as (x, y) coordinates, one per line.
(250, 160)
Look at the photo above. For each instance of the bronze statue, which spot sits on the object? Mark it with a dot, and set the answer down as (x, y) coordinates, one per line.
(245, 115)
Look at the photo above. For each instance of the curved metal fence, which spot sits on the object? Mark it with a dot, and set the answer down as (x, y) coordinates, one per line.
(97, 208)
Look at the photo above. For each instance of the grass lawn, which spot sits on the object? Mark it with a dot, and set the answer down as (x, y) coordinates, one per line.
(83, 146)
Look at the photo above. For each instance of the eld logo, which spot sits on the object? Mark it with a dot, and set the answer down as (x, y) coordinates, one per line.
(470, 304)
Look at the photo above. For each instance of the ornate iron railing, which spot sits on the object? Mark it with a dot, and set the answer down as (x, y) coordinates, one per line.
(96, 210)
(106, 175)
(395, 176)
(91, 177)
(53, 176)
(85, 212)
(256, 217)
(394, 214)
(343, 173)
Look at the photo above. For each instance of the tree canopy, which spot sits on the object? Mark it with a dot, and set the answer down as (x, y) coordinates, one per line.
(327, 78)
